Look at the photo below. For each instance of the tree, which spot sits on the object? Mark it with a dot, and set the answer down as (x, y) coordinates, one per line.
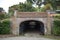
(39, 2)
(53, 3)
(36, 2)
(2, 14)
(26, 7)
(22, 7)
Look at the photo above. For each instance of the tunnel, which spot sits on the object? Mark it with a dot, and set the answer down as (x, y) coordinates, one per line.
(31, 26)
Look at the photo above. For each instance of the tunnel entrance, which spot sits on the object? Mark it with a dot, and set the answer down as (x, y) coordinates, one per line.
(31, 26)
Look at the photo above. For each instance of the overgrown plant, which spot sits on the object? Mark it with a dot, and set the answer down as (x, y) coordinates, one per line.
(5, 27)
(56, 27)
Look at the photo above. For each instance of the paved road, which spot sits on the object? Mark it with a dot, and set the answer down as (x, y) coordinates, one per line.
(25, 38)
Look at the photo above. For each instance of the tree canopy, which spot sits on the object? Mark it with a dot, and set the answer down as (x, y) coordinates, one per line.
(23, 7)
(27, 6)
(39, 2)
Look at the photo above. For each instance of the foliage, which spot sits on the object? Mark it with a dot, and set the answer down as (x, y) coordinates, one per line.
(56, 28)
(11, 10)
(5, 27)
(26, 7)
(37, 2)
(2, 16)
(58, 8)
(48, 7)
(57, 16)
(22, 7)
(42, 9)
(52, 2)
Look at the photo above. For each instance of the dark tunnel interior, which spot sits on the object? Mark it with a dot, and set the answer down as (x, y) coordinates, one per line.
(32, 26)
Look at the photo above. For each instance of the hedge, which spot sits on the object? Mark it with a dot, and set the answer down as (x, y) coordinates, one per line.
(56, 27)
(5, 27)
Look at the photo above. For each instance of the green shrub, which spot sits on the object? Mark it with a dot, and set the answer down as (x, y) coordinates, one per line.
(2, 16)
(5, 27)
(56, 28)
(57, 17)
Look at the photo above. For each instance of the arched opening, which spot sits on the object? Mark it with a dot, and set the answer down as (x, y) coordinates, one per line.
(32, 26)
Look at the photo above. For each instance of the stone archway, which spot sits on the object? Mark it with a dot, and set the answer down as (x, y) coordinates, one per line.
(21, 17)
(31, 26)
